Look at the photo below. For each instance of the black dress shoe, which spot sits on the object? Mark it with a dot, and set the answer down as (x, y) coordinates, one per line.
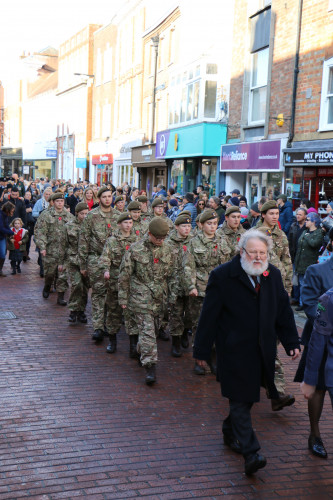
(232, 443)
(98, 335)
(254, 463)
(316, 446)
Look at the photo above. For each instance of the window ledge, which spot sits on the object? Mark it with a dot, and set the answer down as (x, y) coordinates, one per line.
(257, 125)
(325, 129)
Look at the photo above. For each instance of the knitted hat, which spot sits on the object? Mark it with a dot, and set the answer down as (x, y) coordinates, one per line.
(268, 206)
(234, 201)
(231, 210)
(124, 216)
(173, 202)
(208, 215)
(158, 227)
(134, 205)
(182, 219)
(255, 207)
(157, 202)
(81, 206)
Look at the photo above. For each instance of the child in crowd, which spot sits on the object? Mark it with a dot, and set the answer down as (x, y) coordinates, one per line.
(17, 244)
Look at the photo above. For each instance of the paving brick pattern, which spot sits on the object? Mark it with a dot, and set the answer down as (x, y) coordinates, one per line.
(78, 423)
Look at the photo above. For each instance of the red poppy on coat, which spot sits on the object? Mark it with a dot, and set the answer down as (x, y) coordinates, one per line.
(238, 239)
(265, 273)
(137, 232)
(184, 248)
(156, 261)
(127, 247)
(60, 218)
(109, 225)
(215, 248)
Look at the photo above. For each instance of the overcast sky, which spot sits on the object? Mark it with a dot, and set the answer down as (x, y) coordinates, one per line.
(32, 25)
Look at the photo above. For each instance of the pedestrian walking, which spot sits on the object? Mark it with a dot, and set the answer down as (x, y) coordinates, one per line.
(17, 244)
(6, 212)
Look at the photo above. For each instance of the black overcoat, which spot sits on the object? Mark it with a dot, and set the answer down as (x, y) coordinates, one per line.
(245, 325)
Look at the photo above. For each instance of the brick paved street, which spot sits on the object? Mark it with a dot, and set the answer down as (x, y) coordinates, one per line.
(78, 423)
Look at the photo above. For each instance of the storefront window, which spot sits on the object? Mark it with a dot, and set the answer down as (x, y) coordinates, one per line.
(294, 183)
(271, 184)
(177, 175)
(254, 188)
(208, 175)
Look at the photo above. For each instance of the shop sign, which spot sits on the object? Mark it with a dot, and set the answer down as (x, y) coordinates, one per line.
(106, 159)
(308, 158)
(162, 141)
(146, 152)
(80, 163)
(51, 153)
(251, 156)
(26, 169)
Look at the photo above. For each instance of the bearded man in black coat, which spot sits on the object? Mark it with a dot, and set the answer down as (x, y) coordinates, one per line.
(246, 309)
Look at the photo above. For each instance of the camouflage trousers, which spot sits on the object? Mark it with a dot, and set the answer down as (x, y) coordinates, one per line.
(279, 379)
(148, 327)
(114, 312)
(195, 311)
(180, 316)
(98, 292)
(131, 325)
(50, 264)
(79, 289)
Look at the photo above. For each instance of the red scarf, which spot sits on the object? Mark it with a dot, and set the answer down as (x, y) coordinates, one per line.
(18, 237)
(90, 203)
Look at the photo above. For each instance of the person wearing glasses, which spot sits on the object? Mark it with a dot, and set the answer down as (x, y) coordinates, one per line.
(246, 337)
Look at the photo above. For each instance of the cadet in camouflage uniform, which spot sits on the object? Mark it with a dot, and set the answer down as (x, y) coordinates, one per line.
(158, 211)
(147, 283)
(51, 240)
(69, 260)
(179, 317)
(203, 254)
(114, 249)
(119, 208)
(140, 226)
(279, 257)
(146, 214)
(230, 232)
(96, 229)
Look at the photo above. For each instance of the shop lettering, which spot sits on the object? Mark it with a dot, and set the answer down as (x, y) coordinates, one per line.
(234, 156)
(326, 155)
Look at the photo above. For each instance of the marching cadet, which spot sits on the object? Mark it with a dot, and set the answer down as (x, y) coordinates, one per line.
(146, 215)
(69, 261)
(158, 211)
(96, 229)
(147, 283)
(114, 249)
(140, 226)
(279, 257)
(180, 318)
(203, 254)
(119, 208)
(231, 231)
(51, 240)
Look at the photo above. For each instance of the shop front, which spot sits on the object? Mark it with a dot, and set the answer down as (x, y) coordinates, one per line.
(255, 168)
(192, 155)
(124, 171)
(151, 171)
(104, 168)
(11, 161)
(309, 173)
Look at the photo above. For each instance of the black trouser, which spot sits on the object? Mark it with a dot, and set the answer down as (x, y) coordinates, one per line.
(239, 424)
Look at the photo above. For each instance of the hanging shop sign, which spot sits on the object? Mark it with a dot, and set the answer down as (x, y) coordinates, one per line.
(308, 158)
(251, 156)
(106, 159)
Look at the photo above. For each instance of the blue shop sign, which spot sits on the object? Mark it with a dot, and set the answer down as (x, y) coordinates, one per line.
(51, 153)
(80, 162)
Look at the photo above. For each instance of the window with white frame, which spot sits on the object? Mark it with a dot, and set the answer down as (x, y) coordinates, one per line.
(258, 86)
(326, 104)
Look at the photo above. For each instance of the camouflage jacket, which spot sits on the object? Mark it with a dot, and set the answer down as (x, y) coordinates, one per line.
(114, 249)
(178, 246)
(202, 256)
(147, 278)
(140, 228)
(229, 239)
(95, 230)
(69, 254)
(146, 217)
(169, 221)
(38, 224)
(51, 231)
(115, 216)
(279, 256)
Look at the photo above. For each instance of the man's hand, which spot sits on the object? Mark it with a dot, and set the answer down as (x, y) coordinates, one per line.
(107, 275)
(193, 293)
(307, 390)
(294, 354)
(123, 306)
(20, 243)
(43, 253)
(84, 272)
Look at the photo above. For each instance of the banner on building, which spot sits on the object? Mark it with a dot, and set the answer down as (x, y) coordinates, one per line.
(257, 156)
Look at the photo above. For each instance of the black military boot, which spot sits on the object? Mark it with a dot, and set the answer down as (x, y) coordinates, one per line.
(18, 268)
(73, 317)
(112, 347)
(82, 318)
(60, 300)
(133, 353)
(150, 374)
(162, 334)
(98, 335)
(13, 268)
(175, 351)
(184, 339)
(47, 288)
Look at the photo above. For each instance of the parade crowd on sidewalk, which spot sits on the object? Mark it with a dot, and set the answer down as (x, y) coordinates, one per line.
(212, 273)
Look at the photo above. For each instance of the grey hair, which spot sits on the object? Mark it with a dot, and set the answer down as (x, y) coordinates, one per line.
(254, 234)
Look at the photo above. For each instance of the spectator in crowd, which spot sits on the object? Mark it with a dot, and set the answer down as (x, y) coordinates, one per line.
(90, 198)
(296, 230)
(74, 199)
(35, 193)
(215, 204)
(160, 191)
(17, 244)
(30, 223)
(242, 202)
(254, 216)
(7, 211)
(327, 222)
(308, 248)
(42, 203)
(262, 201)
(235, 192)
(201, 205)
(189, 205)
(19, 184)
(134, 193)
(305, 203)
(19, 204)
(286, 213)
(173, 209)
(171, 192)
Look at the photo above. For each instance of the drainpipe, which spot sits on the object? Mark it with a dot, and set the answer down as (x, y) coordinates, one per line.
(155, 40)
(296, 71)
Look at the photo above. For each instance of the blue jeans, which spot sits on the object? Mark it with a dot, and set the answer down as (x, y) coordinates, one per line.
(3, 248)
(300, 284)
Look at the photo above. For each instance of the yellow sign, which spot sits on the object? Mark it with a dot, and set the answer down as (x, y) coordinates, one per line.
(176, 142)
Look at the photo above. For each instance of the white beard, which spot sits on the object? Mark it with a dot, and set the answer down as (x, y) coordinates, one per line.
(252, 270)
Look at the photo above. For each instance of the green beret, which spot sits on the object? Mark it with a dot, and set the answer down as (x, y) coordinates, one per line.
(102, 190)
(81, 206)
(208, 215)
(268, 206)
(119, 198)
(182, 219)
(282, 197)
(186, 212)
(142, 199)
(158, 227)
(134, 205)
(124, 216)
(157, 202)
(232, 209)
(57, 196)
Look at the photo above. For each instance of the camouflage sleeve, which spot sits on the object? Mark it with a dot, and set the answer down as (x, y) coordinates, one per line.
(63, 250)
(42, 234)
(225, 251)
(124, 281)
(174, 278)
(105, 260)
(189, 271)
(286, 260)
(84, 243)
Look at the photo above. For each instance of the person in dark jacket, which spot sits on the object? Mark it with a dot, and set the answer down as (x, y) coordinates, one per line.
(189, 205)
(286, 213)
(317, 280)
(29, 204)
(74, 199)
(295, 232)
(19, 204)
(246, 342)
(308, 248)
(6, 212)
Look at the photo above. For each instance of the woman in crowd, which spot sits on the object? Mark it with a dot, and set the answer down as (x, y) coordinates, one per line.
(201, 205)
(90, 198)
(33, 189)
(7, 211)
(29, 204)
